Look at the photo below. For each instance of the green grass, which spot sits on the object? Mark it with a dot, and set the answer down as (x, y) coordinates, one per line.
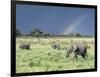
(42, 57)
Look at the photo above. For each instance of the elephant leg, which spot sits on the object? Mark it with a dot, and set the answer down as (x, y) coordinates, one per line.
(75, 56)
(84, 56)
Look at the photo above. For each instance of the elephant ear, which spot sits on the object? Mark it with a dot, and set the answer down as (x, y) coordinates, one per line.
(75, 47)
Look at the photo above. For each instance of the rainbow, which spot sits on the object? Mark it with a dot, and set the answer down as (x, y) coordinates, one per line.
(68, 29)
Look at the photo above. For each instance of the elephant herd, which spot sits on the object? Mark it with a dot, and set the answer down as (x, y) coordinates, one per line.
(75, 48)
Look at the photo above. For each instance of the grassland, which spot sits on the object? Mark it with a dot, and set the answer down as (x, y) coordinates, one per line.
(42, 57)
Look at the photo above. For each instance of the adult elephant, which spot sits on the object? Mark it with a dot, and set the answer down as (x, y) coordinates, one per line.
(77, 49)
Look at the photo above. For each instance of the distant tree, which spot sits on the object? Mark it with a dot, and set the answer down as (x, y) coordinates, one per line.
(78, 35)
(36, 32)
(49, 34)
(18, 33)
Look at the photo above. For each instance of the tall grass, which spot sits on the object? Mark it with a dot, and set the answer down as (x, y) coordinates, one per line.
(42, 57)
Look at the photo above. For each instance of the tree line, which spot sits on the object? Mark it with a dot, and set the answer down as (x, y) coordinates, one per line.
(36, 32)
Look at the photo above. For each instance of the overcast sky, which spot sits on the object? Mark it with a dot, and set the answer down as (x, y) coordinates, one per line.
(57, 20)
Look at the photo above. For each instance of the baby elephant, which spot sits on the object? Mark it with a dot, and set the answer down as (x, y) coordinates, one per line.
(25, 46)
(77, 49)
